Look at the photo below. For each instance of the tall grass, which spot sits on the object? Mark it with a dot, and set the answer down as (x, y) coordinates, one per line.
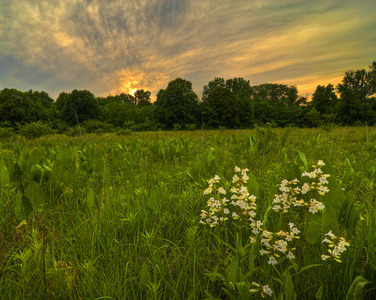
(120, 214)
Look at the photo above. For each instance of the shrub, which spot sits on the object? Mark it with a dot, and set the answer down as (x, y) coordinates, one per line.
(147, 125)
(96, 126)
(124, 132)
(190, 126)
(75, 131)
(34, 130)
(6, 132)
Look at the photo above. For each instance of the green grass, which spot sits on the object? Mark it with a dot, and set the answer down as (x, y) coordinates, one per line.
(121, 213)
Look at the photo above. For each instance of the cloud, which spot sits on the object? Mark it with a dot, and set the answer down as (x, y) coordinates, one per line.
(110, 47)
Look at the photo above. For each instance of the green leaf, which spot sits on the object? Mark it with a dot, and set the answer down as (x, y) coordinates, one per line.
(288, 286)
(291, 171)
(36, 173)
(336, 197)
(318, 295)
(22, 208)
(34, 194)
(233, 271)
(4, 174)
(303, 160)
(144, 274)
(251, 142)
(211, 157)
(243, 289)
(350, 213)
(155, 196)
(305, 268)
(90, 198)
(35, 157)
(57, 171)
(46, 174)
(214, 275)
(252, 185)
(23, 159)
(355, 291)
(321, 223)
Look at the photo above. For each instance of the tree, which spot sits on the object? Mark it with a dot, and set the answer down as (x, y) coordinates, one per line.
(142, 98)
(277, 103)
(43, 98)
(324, 101)
(226, 107)
(15, 107)
(79, 106)
(277, 93)
(217, 81)
(244, 92)
(356, 90)
(359, 83)
(43, 105)
(177, 104)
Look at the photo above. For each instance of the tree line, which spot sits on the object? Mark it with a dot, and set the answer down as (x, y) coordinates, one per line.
(232, 103)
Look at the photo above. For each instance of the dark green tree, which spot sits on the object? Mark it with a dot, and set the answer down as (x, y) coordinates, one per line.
(359, 83)
(324, 99)
(325, 102)
(217, 81)
(277, 93)
(43, 105)
(226, 107)
(244, 92)
(278, 103)
(43, 98)
(79, 106)
(15, 107)
(142, 98)
(356, 90)
(177, 104)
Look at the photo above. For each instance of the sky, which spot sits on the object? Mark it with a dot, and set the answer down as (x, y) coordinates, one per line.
(109, 47)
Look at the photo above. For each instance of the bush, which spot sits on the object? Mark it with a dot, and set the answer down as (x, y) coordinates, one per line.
(190, 126)
(147, 125)
(124, 132)
(34, 130)
(177, 126)
(75, 131)
(6, 132)
(96, 126)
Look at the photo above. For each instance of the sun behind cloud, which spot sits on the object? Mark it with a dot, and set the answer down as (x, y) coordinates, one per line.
(129, 81)
(130, 85)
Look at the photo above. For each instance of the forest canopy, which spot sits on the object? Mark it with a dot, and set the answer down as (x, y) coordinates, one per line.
(225, 103)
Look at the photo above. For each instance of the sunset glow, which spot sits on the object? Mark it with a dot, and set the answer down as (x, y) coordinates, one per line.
(121, 46)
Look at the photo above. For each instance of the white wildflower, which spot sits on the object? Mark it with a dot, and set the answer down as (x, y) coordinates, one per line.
(306, 188)
(290, 255)
(208, 190)
(266, 289)
(324, 257)
(272, 260)
(235, 178)
(222, 190)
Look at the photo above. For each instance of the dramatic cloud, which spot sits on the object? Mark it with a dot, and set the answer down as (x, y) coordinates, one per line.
(113, 47)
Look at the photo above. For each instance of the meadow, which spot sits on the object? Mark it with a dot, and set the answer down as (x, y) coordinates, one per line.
(177, 215)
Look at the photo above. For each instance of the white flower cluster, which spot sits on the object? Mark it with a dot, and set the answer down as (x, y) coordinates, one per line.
(336, 246)
(290, 191)
(276, 244)
(241, 206)
(262, 289)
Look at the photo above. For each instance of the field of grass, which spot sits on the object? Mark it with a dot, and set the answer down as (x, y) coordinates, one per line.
(118, 217)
